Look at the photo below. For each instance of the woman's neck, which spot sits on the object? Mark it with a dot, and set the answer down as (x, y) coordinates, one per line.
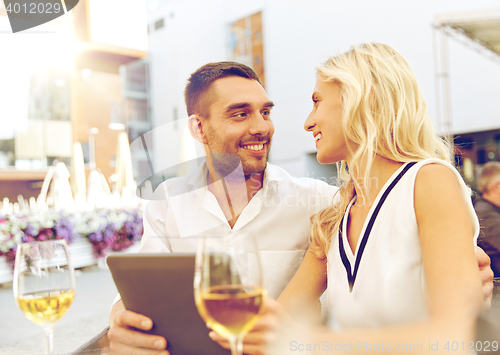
(367, 186)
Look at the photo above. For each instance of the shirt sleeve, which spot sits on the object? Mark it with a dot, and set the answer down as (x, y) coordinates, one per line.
(329, 195)
(155, 238)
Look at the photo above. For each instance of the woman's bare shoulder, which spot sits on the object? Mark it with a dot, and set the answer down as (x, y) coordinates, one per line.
(435, 175)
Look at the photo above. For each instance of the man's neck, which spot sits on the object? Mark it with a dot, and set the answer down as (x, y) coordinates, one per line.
(234, 192)
(254, 184)
(491, 198)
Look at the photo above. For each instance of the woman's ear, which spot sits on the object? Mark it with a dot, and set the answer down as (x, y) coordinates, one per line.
(196, 128)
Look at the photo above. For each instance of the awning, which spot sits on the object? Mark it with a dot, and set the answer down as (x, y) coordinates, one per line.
(479, 29)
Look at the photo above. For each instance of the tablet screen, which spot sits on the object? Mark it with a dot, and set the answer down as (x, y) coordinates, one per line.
(160, 286)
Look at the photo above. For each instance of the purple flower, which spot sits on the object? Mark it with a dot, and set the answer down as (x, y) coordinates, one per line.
(29, 230)
(64, 229)
(129, 227)
(27, 238)
(95, 237)
(109, 234)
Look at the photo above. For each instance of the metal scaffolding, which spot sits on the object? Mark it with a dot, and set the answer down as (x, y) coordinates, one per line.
(478, 30)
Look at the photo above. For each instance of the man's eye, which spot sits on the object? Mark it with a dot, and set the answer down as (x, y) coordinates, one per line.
(266, 113)
(240, 114)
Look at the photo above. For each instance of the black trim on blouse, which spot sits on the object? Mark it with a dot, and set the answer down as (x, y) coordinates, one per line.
(351, 277)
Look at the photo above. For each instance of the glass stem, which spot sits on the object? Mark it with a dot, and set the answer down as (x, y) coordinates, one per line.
(236, 344)
(49, 335)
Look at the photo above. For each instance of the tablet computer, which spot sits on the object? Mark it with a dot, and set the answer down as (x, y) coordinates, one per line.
(160, 286)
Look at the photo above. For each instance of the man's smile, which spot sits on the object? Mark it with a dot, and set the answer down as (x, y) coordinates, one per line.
(253, 146)
(256, 148)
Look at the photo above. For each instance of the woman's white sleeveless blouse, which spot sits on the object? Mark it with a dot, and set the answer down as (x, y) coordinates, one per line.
(386, 271)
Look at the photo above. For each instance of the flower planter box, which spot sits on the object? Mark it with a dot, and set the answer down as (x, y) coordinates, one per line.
(101, 262)
(5, 271)
(90, 234)
(80, 253)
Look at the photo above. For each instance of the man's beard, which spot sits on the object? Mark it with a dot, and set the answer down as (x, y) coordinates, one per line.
(225, 163)
(251, 169)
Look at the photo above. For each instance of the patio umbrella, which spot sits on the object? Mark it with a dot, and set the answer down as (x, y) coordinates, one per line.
(6, 206)
(98, 194)
(78, 180)
(59, 196)
(125, 183)
(42, 197)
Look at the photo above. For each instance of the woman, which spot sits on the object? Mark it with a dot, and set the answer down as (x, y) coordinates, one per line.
(397, 246)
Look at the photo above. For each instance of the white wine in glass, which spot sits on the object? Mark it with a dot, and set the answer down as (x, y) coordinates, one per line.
(44, 283)
(229, 293)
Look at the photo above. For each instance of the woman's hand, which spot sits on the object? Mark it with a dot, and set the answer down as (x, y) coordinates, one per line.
(265, 331)
(484, 262)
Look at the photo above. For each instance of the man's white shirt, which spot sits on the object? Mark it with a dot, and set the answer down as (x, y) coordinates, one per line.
(278, 217)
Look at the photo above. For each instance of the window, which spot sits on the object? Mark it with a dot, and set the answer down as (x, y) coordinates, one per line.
(159, 24)
(481, 157)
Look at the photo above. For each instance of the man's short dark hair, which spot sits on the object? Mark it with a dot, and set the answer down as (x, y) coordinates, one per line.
(199, 83)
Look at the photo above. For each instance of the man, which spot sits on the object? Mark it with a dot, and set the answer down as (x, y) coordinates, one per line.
(488, 211)
(237, 191)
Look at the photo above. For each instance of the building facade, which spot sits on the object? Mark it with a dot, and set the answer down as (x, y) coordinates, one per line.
(296, 36)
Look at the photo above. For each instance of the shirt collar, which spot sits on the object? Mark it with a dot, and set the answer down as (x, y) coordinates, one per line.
(272, 177)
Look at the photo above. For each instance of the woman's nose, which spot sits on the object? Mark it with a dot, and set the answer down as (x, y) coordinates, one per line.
(309, 124)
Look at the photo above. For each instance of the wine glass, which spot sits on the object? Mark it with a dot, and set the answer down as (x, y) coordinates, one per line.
(44, 283)
(228, 287)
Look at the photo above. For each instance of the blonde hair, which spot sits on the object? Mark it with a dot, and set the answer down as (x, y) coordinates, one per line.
(384, 114)
(489, 175)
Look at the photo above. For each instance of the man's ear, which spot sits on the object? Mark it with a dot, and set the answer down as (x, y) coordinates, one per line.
(496, 187)
(196, 128)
